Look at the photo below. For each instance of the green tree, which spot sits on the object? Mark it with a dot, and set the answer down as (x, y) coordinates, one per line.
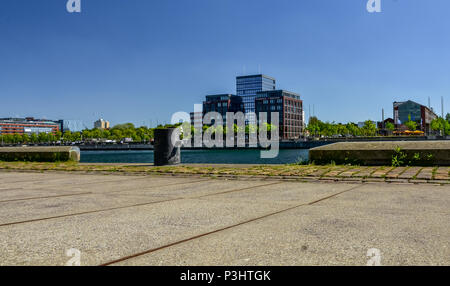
(9, 138)
(58, 135)
(25, 138)
(117, 134)
(314, 125)
(353, 129)
(390, 126)
(67, 136)
(34, 138)
(369, 128)
(43, 137)
(440, 124)
(411, 125)
(86, 134)
(76, 136)
(96, 133)
(17, 138)
(51, 138)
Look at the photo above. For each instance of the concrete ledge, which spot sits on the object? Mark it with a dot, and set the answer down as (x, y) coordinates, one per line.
(420, 153)
(40, 154)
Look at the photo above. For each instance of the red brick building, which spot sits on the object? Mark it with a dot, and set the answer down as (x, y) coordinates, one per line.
(290, 109)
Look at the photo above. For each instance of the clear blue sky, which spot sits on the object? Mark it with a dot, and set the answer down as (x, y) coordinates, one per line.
(139, 61)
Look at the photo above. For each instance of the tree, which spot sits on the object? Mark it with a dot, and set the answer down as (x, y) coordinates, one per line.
(67, 136)
(25, 138)
(76, 136)
(369, 128)
(9, 138)
(440, 124)
(390, 126)
(447, 117)
(58, 135)
(34, 138)
(43, 137)
(117, 134)
(411, 125)
(87, 134)
(96, 133)
(17, 138)
(51, 137)
(314, 126)
(353, 129)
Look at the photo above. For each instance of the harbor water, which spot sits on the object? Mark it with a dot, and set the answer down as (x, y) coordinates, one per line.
(214, 156)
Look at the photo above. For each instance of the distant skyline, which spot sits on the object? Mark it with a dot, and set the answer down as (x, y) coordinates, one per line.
(141, 61)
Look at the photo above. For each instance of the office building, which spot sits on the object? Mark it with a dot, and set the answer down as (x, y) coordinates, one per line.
(28, 126)
(71, 125)
(101, 124)
(421, 114)
(257, 93)
(223, 103)
(290, 111)
(248, 86)
(196, 118)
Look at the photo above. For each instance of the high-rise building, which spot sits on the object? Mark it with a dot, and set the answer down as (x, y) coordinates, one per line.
(248, 86)
(257, 93)
(289, 108)
(101, 124)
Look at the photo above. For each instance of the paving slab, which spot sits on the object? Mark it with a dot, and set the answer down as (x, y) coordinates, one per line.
(408, 226)
(258, 222)
(442, 173)
(410, 173)
(366, 171)
(381, 172)
(426, 173)
(396, 172)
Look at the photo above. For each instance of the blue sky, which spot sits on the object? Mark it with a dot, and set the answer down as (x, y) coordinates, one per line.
(140, 61)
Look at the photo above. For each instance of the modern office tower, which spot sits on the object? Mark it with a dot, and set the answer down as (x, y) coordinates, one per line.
(28, 126)
(289, 108)
(248, 86)
(421, 114)
(71, 125)
(101, 124)
(223, 103)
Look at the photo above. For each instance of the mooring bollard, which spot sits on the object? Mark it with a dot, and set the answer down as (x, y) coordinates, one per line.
(167, 147)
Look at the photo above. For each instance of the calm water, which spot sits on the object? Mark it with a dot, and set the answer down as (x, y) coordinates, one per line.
(249, 156)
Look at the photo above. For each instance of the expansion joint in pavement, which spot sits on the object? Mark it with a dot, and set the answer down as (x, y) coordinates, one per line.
(225, 228)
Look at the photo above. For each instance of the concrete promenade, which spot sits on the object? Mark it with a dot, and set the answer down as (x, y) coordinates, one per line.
(169, 220)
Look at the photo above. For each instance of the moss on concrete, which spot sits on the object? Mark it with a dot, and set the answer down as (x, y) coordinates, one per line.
(40, 154)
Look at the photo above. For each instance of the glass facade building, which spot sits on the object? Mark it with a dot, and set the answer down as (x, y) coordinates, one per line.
(72, 125)
(248, 86)
(421, 114)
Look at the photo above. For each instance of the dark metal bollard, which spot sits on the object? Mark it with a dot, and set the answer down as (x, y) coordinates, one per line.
(166, 151)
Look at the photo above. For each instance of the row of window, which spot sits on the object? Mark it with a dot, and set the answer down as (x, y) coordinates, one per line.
(292, 116)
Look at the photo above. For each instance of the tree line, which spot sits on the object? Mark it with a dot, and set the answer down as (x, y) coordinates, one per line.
(119, 132)
(319, 128)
